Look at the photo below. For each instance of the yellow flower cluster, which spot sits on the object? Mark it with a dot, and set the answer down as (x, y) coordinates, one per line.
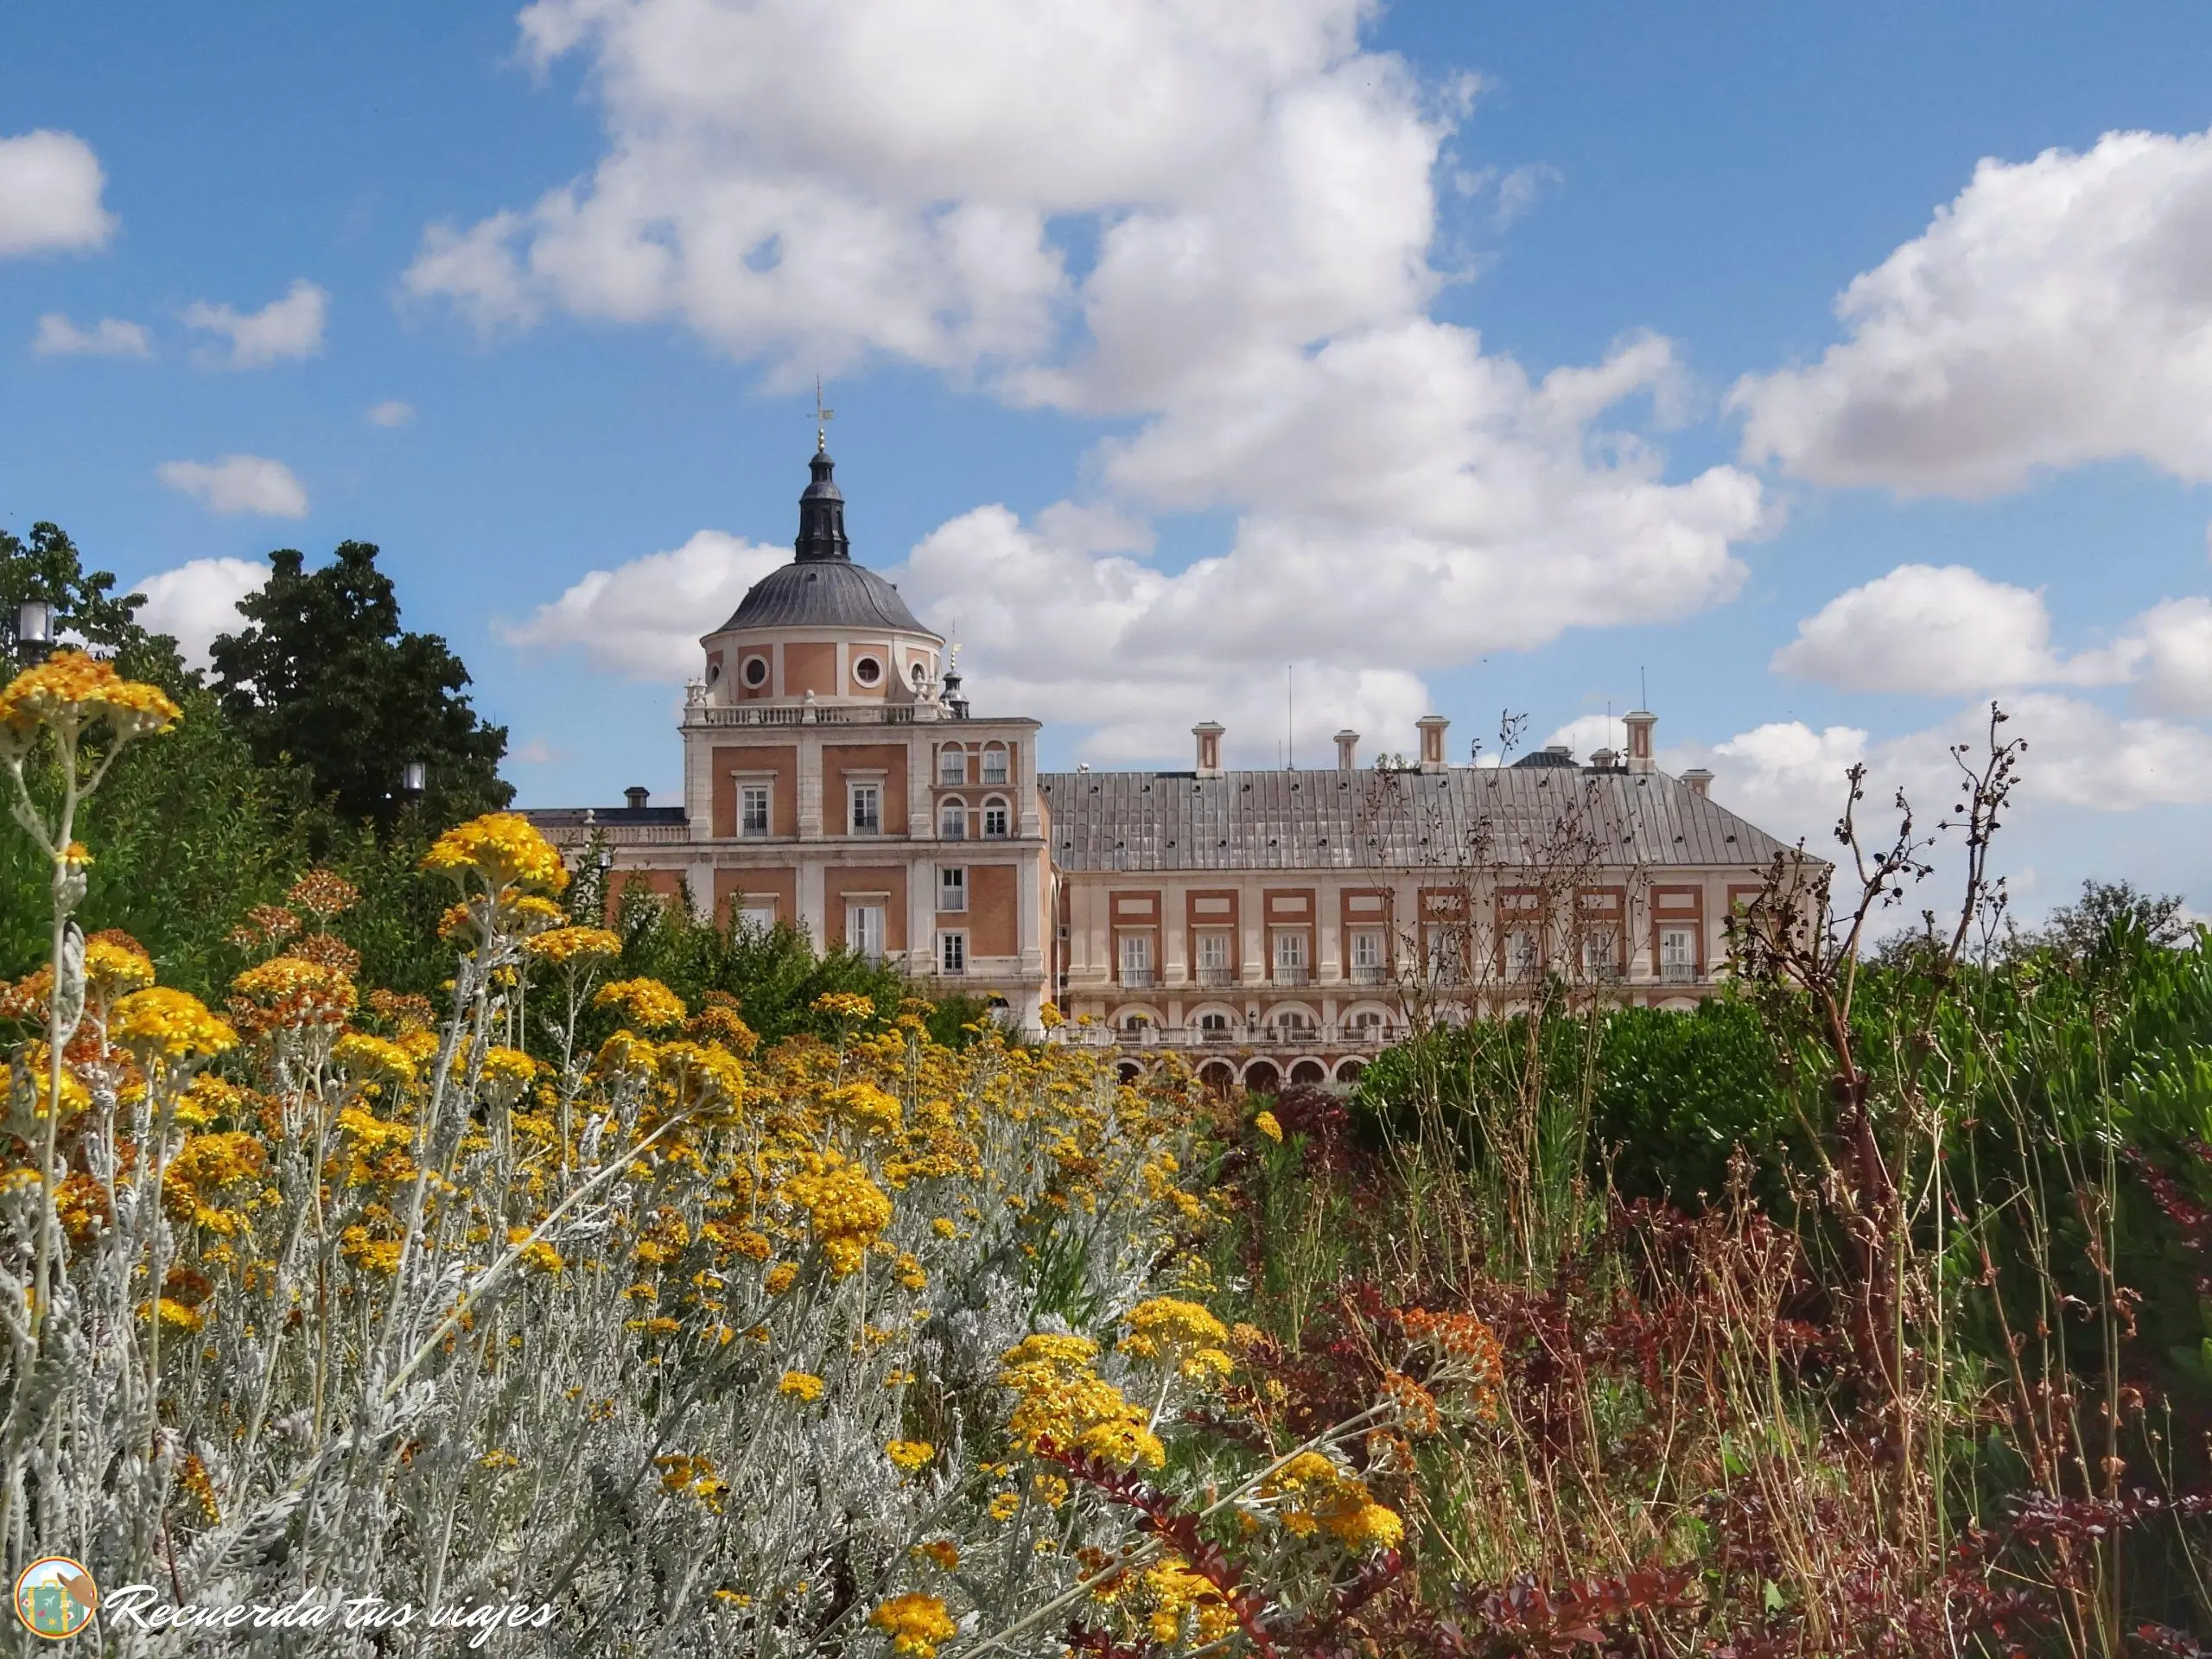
(170, 1025)
(71, 690)
(915, 1623)
(1266, 1123)
(866, 1107)
(802, 1386)
(909, 1455)
(115, 965)
(293, 991)
(645, 1002)
(373, 1059)
(1175, 1604)
(1171, 1331)
(565, 947)
(1312, 1494)
(846, 1209)
(1060, 1400)
(501, 849)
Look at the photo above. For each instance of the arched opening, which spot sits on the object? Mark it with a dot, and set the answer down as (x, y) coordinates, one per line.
(1348, 1070)
(1215, 1027)
(1262, 1078)
(1309, 1072)
(1129, 1071)
(1218, 1076)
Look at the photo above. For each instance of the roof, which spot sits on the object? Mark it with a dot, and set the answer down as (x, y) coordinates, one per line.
(823, 593)
(1387, 820)
(563, 817)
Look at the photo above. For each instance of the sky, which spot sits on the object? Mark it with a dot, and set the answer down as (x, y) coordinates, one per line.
(1817, 378)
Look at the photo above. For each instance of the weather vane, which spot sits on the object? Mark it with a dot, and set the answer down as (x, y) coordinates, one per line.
(823, 416)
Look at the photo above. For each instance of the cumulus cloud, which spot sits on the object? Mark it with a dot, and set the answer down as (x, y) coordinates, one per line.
(2058, 311)
(643, 619)
(1944, 630)
(239, 484)
(197, 601)
(110, 337)
(2168, 648)
(1588, 734)
(391, 413)
(50, 186)
(289, 327)
(1210, 225)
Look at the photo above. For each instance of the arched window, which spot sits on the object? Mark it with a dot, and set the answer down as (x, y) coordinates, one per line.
(997, 821)
(1214, 1027)
(994, 763)
(952, 821)
(952, 765)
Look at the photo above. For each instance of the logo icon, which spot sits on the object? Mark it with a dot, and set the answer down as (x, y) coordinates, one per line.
(55, 1597)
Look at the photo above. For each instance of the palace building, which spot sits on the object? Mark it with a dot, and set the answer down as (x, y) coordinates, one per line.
(1274, 925)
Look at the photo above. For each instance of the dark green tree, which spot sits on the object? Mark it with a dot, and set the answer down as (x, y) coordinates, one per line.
(48, 566)
(325, 678)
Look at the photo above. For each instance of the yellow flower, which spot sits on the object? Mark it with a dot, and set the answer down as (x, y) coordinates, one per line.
(1005, 1506)
(71, 690)
(915, 1623)
(1171, 1332)
(802, 1386)
(172, 1025)
(569, 946)
(540, 1256)
(1267, 1125)
(844, 1005)
(372, 1059)
(868, 1108)
(647, 1002)
(943, 1551)
(848, 1210)
(116, 964)
(1060, 1400)
(909, 1455)
(1313, 1493)
(503, 850)
(508, 1071)
(296, 992)
(780, 1278)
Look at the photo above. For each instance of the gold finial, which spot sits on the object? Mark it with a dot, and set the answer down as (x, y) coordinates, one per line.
(823, 416)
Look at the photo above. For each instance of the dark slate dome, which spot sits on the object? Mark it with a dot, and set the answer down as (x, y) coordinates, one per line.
(823, 588)
(823, 593)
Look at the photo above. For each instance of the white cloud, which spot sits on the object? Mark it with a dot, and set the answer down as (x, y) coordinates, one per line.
(239, 484)
(196, 601)
(2058, 311)
(110, 337)
(1519, 190)
(644, 619)
(391, 413)
(1585, 735)
(1252, 196)
(50, 185)
(2169, 647)
(1945, 630)
(289, 327)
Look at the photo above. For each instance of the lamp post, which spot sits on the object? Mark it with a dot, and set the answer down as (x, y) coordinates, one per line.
(35, 630)
(414, 778)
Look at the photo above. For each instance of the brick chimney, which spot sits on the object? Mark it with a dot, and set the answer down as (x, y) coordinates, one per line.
(1700, 782)
(1347, 750)
(1432, 741)
(1208, 732)
(1639, 724)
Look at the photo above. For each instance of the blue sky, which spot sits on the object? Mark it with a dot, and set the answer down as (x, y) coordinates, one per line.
(1173, 343)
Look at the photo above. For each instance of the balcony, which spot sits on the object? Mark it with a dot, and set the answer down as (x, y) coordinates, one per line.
(1215, 977)
(1370, 973)
(707, 714)
(1136, 979)
(1287, 973)
(1678, 973)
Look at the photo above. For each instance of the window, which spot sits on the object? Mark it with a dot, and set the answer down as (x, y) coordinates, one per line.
(1440, 951)
(951, 889)
(866, 817)
(952, 821)
(1522, 960)
(758, 914)
(1214, 1027)
(753, 810)
(952, 953)
(952, 765)
(1367, 954)
(864, 930)
(1367, 1024)
(1290, 956)
(867, 670)
(1677, 955)
(1213, 957)
(1600, 959)
(995, 764)
(997, 822)
(756, 670)
(1136, 958)
(1294, 1023)
(1136, 1025)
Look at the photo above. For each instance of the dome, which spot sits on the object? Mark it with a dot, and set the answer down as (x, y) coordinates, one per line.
(824, 594)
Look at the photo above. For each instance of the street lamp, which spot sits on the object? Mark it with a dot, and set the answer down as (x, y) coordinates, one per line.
(34, 628)
(605, 860)
(414, 778)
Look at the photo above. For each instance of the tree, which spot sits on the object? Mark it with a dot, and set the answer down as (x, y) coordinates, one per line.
(48, 567)
(2112, 919)
(324, 677)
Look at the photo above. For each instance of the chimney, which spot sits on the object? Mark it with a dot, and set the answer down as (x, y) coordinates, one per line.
(1639, 724)
(1208, 733)
(1432, 741)
(637, 795)
(1700, 782)
(1604, 760)
(1347, 750)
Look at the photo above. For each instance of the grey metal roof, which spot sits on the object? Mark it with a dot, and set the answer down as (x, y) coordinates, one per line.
(1387, 820)
(823, 593)
(563, 817)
